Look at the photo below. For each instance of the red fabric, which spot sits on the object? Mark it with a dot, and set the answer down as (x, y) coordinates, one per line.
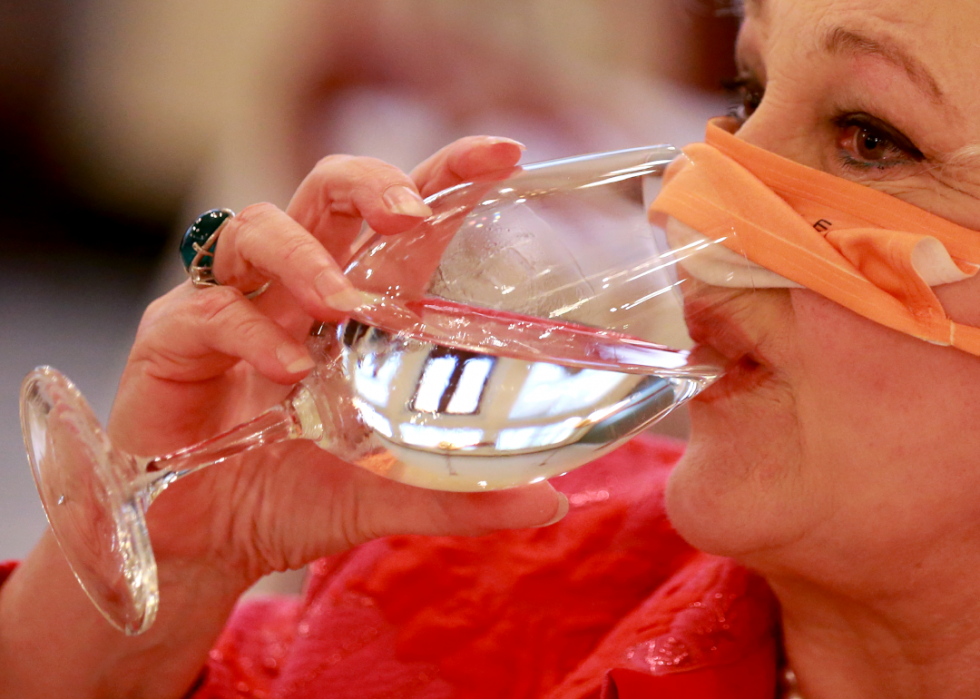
(609, 603)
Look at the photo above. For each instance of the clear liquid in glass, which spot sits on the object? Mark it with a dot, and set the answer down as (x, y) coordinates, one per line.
(422, 407)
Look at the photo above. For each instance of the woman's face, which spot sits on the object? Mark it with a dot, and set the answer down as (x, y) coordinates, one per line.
(840, 448)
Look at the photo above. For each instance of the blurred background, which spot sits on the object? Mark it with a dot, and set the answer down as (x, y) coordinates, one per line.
(120, 120)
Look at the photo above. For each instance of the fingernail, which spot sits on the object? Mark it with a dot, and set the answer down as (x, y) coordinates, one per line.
(494, 140)
(405, 201)
(560, 514)
(294, 359)
(346, 300)
(336, 291)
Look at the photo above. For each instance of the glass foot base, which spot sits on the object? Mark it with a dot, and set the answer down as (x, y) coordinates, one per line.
(87, 492)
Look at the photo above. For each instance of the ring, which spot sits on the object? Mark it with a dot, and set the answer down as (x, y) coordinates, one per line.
(198, 243)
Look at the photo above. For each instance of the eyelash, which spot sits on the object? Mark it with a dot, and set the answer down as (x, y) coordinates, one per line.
(747, 93)
(871, 128)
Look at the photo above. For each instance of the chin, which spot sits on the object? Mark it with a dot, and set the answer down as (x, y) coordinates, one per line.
(697, 511)
(727, 498)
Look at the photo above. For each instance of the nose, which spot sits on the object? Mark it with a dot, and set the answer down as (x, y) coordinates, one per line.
(754, 131)
(776, 127)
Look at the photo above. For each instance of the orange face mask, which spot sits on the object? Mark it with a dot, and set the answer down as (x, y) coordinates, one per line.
(789, 225)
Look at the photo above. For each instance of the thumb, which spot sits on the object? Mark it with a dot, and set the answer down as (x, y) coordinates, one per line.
(440, 513)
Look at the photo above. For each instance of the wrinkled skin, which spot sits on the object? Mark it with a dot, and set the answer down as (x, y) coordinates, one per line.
(204, 360)
(207, 359)
(841, 459)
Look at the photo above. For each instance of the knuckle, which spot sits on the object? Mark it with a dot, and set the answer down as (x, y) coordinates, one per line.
(163, 308)
(360, 169)
(377, 176)
(257, 213)
(224, 310)
(333, 162)
(251, 330)
(290, 243)
(157, 308)
(214, 304)
(300, 249)
(252, 222)
(252, 227)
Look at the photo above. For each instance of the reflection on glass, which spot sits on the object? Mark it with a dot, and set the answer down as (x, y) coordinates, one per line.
(522, 438)
(469, 389)
(552, 389)
(461, 404)
(452, 382)
(373, 377)
(435, 437)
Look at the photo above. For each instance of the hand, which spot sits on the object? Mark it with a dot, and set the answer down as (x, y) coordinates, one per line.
(206, 359)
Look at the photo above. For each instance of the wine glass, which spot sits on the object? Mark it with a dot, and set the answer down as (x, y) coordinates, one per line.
(532, 323)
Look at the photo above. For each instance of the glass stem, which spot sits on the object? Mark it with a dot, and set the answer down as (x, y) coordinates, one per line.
(277, 424)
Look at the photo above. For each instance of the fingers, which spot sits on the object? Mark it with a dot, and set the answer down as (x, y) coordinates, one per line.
(538, 505)
(399, 509)
(300, 249)
(262, 243)
(349, 506)
(342, 190)
(197, 334)
(465, 159)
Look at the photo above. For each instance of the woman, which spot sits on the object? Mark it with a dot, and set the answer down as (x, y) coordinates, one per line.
(837, 463)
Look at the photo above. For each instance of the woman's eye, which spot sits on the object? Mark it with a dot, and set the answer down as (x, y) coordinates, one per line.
(868, 145)
(863, 141)
(748, 93)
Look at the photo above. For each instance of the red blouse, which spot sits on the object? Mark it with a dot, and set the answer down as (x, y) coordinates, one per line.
(608, 603)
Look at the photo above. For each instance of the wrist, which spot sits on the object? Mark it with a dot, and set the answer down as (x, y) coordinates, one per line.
(53, 642)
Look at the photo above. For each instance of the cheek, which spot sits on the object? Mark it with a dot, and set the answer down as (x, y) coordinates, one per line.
(855, 384)
(962, 300)
(871, 398)
(846, 362)
(889, 435)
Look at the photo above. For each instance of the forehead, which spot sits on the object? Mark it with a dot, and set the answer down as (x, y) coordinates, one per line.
(935, 41)
(955, 20)
(952, 20)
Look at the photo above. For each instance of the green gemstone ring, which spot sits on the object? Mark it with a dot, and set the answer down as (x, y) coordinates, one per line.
(197, 246)
(197, 249)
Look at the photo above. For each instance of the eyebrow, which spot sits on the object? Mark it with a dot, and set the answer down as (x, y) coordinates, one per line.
(842, 41)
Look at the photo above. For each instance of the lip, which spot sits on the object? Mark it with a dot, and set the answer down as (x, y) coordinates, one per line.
(710, 326)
